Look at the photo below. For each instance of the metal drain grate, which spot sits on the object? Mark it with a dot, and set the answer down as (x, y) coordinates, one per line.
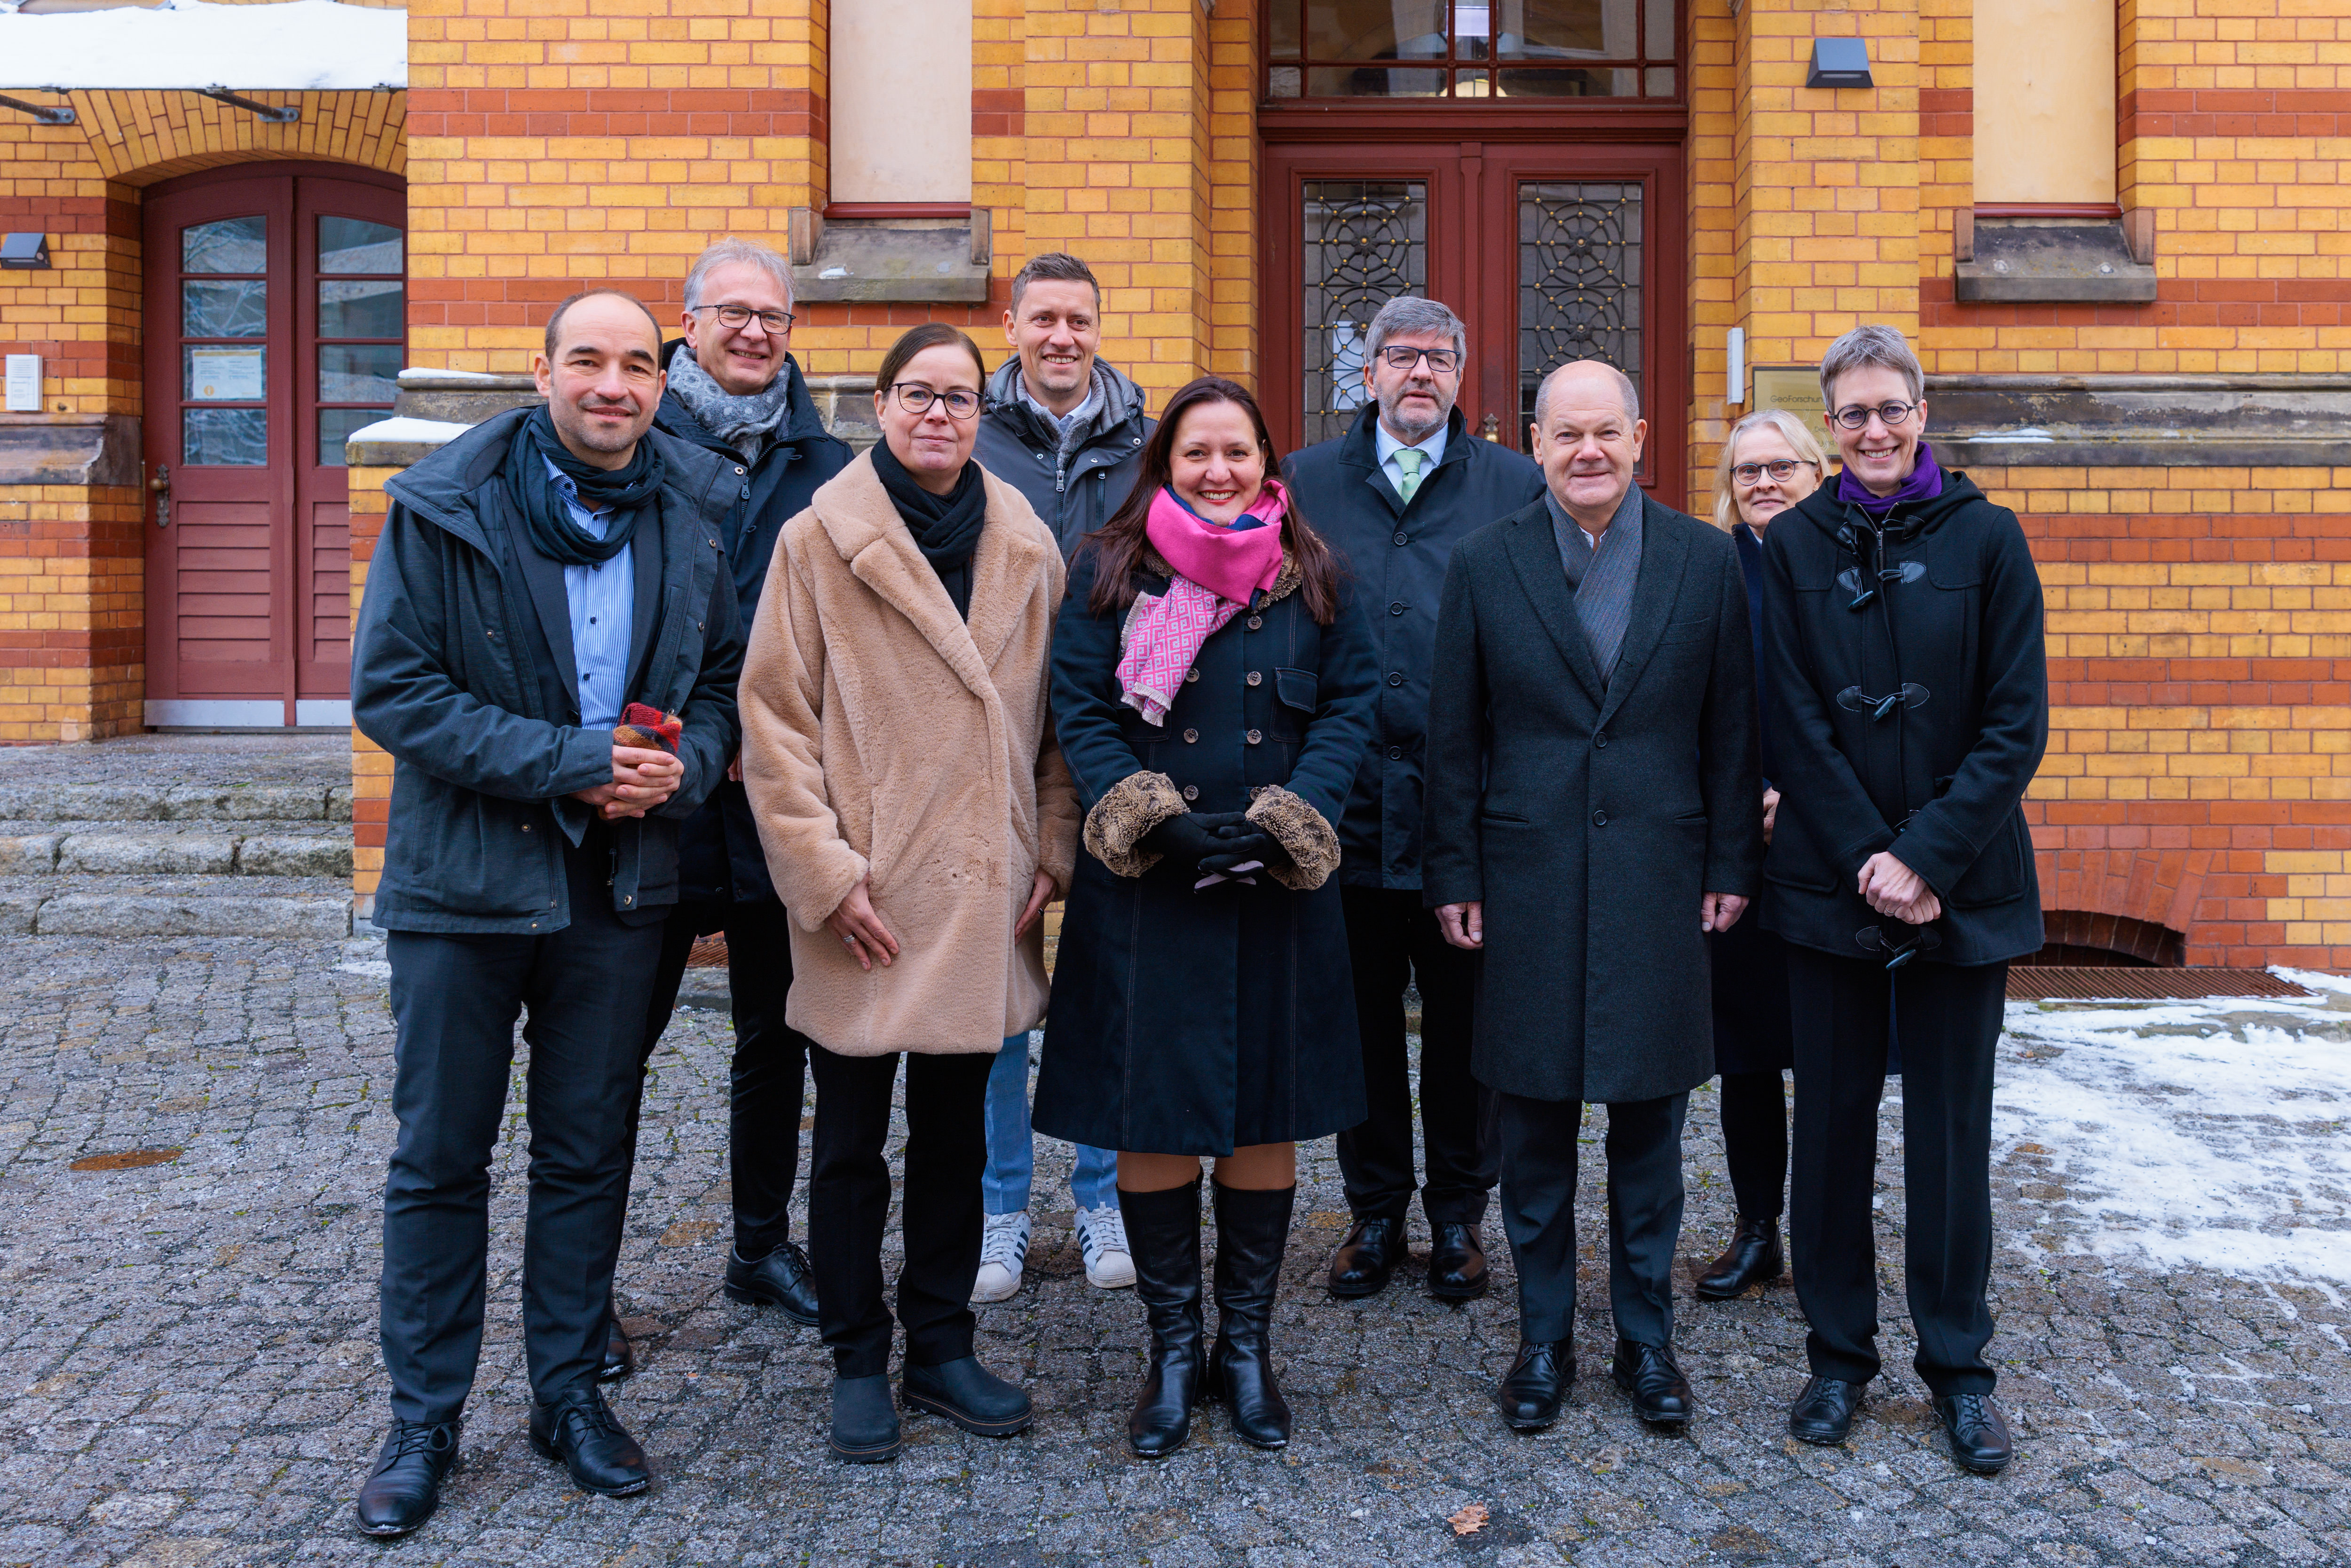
(2029, 983)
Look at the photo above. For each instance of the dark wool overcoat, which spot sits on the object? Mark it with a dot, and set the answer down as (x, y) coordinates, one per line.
(1937, 775)
(1751, 1029)
(1397, 553)
(1590, 819)
(1190, 1022)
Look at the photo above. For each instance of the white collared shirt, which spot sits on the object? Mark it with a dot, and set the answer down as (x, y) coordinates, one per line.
(1387, 446)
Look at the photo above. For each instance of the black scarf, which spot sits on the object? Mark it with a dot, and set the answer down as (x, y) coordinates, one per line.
(625, 491)
(946, 527)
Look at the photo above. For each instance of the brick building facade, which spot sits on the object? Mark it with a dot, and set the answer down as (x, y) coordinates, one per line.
(2114, 233)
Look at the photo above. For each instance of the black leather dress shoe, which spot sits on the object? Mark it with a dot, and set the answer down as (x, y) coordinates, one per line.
(620, 1355)
(1978, 1432)
(1754, 1257)
(1660, 1393)
(1457, 1263)
(970, 1395)
(1823, 1412)
(864, 1420)
(405, 1485)
(1531, 1393)
(1366, 1259)
(781, 1279)
(578, 1428)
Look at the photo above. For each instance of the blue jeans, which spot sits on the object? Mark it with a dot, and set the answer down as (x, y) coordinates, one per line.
(1012, 1152)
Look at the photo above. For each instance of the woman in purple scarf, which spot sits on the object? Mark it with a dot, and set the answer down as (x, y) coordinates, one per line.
(1909, 712)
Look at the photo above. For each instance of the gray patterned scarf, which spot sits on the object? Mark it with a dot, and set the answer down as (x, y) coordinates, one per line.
(746, 423)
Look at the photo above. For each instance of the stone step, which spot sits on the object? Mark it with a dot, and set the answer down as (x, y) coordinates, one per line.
(68, 904)
(152, 802)
(272, 848)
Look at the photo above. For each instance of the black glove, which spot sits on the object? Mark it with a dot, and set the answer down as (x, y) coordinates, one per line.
(1239, 847)
(1193, 837)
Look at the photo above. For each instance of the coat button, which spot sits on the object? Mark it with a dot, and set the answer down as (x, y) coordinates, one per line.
(1395, 753)
(1192, 674)
(1403, 538)
(738, 470)
(550, 904)
(1254, 737)
(1191, 791)
(1256, 679)
(1257, 623)
(1600, 739)
(1599, 819)
(1191, 737)
(1396, 608)
(1396, 678)
(526, 827)
(628, 898)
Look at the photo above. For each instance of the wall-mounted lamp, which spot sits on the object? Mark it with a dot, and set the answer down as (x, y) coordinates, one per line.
(26, 252)
(1839, 62)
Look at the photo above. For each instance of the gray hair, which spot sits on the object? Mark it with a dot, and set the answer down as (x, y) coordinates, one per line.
(1864, 347)
(1801, 440)
(732, 252)
(1626, 390)
(1410, 316)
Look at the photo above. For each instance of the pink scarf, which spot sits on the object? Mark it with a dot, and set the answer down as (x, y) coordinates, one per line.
(1219, 570)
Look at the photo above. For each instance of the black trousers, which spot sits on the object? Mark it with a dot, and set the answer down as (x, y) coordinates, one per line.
(1755, 1141)
(767, 1082)
(454, 999)
(1644, 1148)
(1391, 940)
(1950, 1020)
(849, 1203)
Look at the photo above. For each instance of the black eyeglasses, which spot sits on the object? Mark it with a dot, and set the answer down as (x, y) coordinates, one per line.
(739, 316)
(1444, 362)
(917, 398)
(1857, 416)
(1781, 470)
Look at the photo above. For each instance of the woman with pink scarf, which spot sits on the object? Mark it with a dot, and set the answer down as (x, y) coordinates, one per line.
(1214, 687)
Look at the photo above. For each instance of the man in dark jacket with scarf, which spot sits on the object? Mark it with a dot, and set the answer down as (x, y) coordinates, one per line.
(1393, 497)
(734, 392)
(536, 581)
(1911, 707)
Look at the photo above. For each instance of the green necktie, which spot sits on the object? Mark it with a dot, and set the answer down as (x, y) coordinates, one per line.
(1409, 459)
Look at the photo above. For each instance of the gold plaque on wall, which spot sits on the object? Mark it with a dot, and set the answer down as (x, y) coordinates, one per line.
(1795, 388)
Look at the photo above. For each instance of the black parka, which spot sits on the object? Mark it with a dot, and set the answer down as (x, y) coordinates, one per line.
(462, 669)
(1590, 819)
(1396, 554)
(1017, 445)
(719, 858)
(1938, 775)
(1190, 1022)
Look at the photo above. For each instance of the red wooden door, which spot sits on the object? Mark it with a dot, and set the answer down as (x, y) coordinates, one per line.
(275, 311)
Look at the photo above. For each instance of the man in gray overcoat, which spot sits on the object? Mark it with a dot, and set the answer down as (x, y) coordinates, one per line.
(1592, 811)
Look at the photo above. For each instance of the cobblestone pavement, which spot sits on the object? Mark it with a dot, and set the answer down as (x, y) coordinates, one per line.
(190, 1374)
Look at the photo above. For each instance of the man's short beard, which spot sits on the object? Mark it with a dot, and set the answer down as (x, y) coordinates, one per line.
(587, 435)
(1391, 410)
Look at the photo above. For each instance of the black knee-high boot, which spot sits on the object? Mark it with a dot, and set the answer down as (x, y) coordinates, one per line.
(1252, 1230)
(1162, 1235)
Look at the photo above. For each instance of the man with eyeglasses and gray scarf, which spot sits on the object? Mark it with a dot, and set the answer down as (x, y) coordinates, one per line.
(1393, 497)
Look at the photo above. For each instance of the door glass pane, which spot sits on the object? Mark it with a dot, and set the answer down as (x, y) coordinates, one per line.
(225, 374)
(1657, 17)
(1579, 280)
(1366, 242)
(228, 309)
(225, 438)
(1621, 81)
(232, 245)
(359, 309)
(350, 372)
(1660, 81)
(1565, 30)
(1375, 29)
(1372, 81)
(353, 245)
(1282, 30)
(335, 427)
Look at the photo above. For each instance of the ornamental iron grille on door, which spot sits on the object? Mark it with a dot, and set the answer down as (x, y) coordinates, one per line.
(1579, 280)
(1366, 242)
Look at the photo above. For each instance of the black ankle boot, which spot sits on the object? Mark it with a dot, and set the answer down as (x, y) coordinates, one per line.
(1252, 1230)
(1162, 1235)
(1754, 1257)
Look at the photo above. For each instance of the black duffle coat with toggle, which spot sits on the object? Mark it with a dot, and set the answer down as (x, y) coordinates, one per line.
(1190, 1022)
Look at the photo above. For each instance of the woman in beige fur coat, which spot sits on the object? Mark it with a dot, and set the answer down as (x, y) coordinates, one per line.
(917, 815)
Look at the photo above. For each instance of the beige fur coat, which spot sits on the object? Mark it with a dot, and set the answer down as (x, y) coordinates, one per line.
(885, 738)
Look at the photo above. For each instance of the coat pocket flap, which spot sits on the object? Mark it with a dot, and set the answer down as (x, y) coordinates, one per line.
(1296, 688)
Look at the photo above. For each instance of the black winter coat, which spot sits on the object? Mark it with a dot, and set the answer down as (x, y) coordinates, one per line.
(1590, 819)
(1937, 776)
(462, 669)
(1197, 1023)
(1396, 554)
(719, 858)
(1017, 445)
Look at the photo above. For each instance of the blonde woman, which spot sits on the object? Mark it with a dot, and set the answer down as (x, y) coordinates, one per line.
(1770, 463)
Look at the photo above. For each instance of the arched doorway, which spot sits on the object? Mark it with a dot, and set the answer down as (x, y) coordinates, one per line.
(275, 312)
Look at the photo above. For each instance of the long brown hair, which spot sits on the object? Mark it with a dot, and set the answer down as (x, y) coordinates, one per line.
(1118, 544)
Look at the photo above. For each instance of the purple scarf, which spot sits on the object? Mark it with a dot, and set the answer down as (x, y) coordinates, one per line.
(1925, 483)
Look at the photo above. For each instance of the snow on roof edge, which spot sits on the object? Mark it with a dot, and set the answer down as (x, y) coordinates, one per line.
(293, 45)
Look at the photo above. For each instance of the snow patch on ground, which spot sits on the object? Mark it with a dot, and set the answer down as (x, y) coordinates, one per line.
(298, 46)
(2207, 1134)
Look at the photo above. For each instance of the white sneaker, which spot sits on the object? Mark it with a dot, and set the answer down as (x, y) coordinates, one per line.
(1003, 1250)
(1102, 1241)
